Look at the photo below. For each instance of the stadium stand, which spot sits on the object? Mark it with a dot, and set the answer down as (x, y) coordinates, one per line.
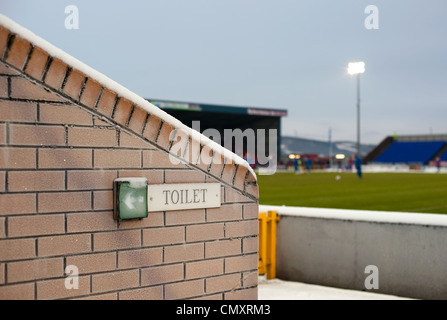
(444, 156)
(378, 150)
(409, 150)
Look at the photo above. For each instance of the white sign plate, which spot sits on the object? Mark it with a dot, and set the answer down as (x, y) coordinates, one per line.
(167, 197)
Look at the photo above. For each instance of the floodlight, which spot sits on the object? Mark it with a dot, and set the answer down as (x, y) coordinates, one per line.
(356, 67)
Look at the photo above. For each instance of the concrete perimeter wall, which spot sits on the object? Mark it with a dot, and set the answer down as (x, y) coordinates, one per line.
(333, 247)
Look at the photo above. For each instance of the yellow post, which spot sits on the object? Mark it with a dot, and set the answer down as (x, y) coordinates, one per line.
(262, 266)
(271, 250)
(267, 244)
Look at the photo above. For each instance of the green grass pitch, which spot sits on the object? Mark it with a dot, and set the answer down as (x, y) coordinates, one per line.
(402, 192)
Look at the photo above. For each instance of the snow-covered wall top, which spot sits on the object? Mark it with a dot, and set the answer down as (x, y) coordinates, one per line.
(425, 219)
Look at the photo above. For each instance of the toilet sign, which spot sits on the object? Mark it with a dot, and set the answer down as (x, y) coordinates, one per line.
(167, 197)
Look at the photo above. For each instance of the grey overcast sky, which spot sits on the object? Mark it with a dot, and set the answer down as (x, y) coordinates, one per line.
(288, 54)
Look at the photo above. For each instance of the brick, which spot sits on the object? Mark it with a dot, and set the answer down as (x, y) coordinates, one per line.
(107, 102)
(2, 181)
(24, 89)
(252, 190)
(152, 127)
(140, 258)
(211, 297)
(243, 263)
(4, 87)
(90, 221)
(160, 275)
(30, 135)
(122, 159)
(64, 202)
(23, 291)
(4, 33)
(244, 294)
(137, 120)
(222, 248)
(36, 225)
(192, 154)
(203, 269)
(95, 137)
(93, 263)
(37, 62)
(154, 293)
(2, 228)
(74, 84)
(250, 245)
(166, 134)
(251, 178)
(56, 73)
(122, 111)
(116, 240)
(157, 159)
(185, 217)
(17, 249)
(16, 111)
(90, 179)
(63, 245)
(184, 176)
(102, 122)
(55, 289)
(35, 270)
(251, 211)
(115, 281)
(232, 196)
(2, 133)
(224, 213)
(18, 52)
(90, 94)
(64, 114)
(223, 283)
(152, 176)
(103, 200)
(155, 219)
(217, 165)
(181, 253)
(229, 173)
(204, 232)
(65, 158)
(17, 158)
(163, 236)
(183, 290)
(2, 273)
(239, 180)
(180, 143)
(100, 297)
(250, 279)
(12, 204)
(6, 70)
(241, 228)
(130, 141)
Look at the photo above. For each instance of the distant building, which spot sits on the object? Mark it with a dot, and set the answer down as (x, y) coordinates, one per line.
(221, 118)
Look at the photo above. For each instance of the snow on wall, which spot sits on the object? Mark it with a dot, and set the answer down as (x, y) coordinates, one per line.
(360, 215)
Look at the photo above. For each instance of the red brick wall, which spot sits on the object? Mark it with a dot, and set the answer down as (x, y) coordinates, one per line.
(64, 138)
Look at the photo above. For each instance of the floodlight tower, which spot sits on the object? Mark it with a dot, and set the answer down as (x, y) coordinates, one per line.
(357, 68)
